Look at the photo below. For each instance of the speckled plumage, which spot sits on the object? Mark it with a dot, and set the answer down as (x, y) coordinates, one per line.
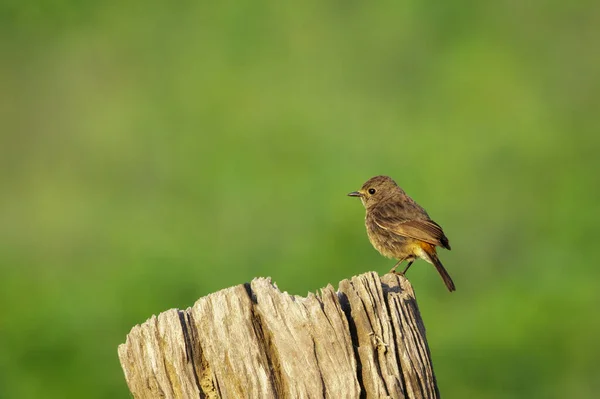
(400, 228)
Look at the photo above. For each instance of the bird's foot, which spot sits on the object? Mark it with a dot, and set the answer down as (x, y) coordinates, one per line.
(393, 269)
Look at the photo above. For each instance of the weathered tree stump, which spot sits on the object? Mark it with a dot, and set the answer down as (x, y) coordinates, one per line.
(253, 341)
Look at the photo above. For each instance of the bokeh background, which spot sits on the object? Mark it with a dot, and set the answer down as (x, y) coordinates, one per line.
(154, 152)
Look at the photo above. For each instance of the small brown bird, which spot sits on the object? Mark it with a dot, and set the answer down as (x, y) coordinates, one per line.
(399, 228)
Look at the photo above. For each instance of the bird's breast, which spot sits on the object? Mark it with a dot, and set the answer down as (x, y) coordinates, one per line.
(386, 242)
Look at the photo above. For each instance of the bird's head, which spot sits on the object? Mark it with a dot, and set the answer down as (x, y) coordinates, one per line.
(375, 190)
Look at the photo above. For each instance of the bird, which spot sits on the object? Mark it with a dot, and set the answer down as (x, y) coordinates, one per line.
(400, 228)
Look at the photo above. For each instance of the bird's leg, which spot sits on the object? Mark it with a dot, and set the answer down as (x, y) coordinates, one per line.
(393, 269)
(407, 266)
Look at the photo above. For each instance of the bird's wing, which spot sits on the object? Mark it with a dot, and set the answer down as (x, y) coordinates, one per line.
(421, 229)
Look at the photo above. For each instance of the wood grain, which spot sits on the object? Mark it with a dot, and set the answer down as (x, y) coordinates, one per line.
(253, 341)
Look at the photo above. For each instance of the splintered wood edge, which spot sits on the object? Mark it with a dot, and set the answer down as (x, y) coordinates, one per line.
(252, 340)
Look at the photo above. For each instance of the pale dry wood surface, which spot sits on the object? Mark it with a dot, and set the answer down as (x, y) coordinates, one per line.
(365, 340)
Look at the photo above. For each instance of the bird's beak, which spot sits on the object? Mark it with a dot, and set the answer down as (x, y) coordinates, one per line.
(355, 194)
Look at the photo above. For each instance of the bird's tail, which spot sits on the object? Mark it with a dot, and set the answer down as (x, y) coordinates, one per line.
(440, 268)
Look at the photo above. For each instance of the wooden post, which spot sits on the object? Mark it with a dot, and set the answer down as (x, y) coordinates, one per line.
(253, 341)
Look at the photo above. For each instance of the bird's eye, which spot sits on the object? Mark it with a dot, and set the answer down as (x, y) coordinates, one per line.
(371, 191)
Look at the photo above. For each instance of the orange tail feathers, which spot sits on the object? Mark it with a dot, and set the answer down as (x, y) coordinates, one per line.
(430, 251)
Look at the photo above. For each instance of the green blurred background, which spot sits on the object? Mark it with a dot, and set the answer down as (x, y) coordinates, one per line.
(154, 152)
